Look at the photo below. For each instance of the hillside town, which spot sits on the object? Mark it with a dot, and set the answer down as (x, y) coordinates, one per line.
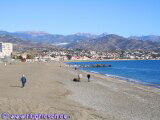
(48, 54)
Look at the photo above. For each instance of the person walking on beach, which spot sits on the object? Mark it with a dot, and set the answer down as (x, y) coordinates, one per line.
(88, 76)
(79, 76)
(23, 80)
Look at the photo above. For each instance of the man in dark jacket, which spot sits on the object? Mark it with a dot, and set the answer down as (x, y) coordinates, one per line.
(23, 80)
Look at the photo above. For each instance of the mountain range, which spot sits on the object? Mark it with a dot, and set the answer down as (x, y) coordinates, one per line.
(87, 41)
(114, 42)
(43, 37)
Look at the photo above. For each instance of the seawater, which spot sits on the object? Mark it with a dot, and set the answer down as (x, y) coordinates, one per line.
(142, 71)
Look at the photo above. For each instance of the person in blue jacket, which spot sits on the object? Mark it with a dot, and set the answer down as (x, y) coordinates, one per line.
(23, 80)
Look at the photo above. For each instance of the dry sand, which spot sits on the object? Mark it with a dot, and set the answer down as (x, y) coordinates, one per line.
(50, 89)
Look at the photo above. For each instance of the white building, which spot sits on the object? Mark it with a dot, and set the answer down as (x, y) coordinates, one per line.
(5, 49)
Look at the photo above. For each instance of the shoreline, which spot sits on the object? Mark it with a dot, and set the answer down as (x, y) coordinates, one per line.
(111, 97)
(68, 61)
(118, 77)
(125, 79)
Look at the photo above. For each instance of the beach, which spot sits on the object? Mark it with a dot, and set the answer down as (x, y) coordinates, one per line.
(50, 89)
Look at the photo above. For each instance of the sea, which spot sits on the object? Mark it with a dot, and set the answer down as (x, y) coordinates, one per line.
(146, 72)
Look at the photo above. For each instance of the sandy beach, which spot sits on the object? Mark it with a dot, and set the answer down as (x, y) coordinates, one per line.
(50, 89)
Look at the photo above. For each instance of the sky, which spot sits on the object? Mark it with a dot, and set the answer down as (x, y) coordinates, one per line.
(122, 17)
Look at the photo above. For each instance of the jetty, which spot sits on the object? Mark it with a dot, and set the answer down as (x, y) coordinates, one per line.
(92, 66)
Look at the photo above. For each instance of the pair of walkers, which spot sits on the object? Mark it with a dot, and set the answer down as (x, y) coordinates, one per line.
(80, 76)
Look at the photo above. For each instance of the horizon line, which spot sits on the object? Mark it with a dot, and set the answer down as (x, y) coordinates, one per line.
(47, 32)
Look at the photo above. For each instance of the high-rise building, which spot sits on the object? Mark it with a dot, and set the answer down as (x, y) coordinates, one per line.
(5, 49)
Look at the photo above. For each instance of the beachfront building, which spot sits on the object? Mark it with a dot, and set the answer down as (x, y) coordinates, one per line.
(5, 49)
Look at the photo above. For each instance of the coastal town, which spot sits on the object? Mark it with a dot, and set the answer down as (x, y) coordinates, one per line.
(54, 54)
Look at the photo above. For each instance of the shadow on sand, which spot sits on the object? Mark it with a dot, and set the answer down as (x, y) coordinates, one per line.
(16, 86)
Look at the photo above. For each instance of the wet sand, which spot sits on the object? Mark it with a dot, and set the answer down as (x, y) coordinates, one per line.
(50, 89)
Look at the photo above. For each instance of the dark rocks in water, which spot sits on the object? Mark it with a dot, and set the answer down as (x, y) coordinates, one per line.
(109, 65)
(99, 65)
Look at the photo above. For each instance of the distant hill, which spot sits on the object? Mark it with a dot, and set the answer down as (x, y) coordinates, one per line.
(114, 42)
(52, 38)
(19, 43)
(12, 39)
(153, 38)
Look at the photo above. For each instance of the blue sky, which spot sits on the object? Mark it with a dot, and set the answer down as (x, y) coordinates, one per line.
(122, 17)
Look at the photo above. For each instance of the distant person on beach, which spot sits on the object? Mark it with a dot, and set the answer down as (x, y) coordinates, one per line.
(88, 76)
(79, 76)
(23, 80)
